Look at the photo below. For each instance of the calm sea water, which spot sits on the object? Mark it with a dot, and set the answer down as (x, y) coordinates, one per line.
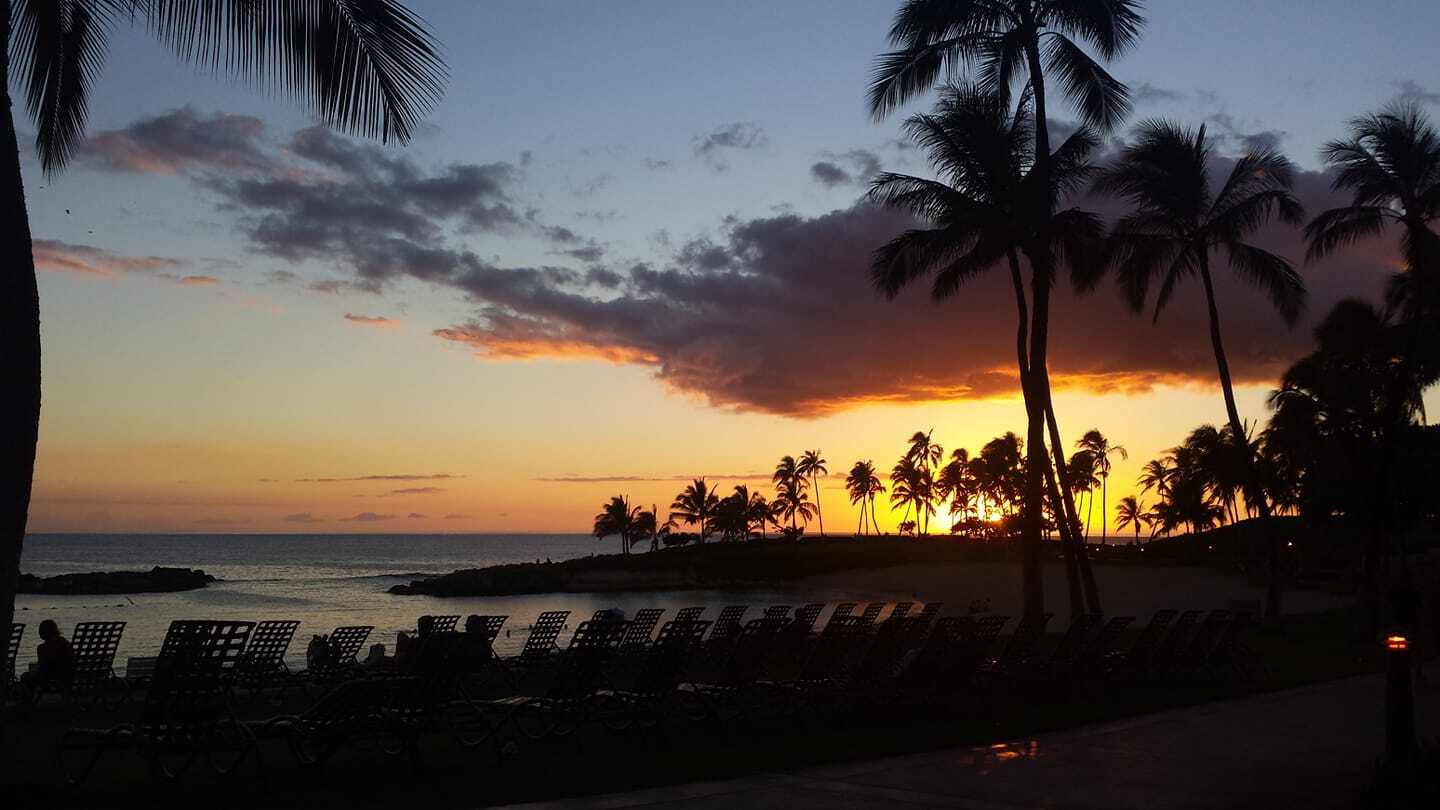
(329, 580)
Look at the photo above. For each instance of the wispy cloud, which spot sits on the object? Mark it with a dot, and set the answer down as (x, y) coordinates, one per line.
(367, 517)
(384, 477)
(57, 256)
(621, 479)
(302, 517)
(374, 321)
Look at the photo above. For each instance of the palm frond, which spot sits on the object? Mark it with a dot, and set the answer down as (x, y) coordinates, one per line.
(984, 254)
(901, 75)
(1339, 227)
(57, 49)
(911, 255)
(1272, 275)
(367, 66)
(1101, 100)
(1110, 26)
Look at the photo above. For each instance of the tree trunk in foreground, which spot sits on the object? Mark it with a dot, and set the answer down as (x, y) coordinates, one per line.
(19, 353)
(1253, 491)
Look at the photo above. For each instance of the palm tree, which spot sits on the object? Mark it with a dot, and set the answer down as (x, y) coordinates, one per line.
(1101, 449)
(791, 502)
(1390, 165)
(377, 75)
(1179, 223)
(956, 483)
(1083, 481)
(925, 454)
(982, 217)
(812, 465)
(788, 479)
(1000, 40)
(910, 484)
(696, 505)
(618, 518)
(1130, 512)
(863, 485)
(1156, 475)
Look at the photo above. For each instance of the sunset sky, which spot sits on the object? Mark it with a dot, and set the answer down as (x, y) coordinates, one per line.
(627, 247)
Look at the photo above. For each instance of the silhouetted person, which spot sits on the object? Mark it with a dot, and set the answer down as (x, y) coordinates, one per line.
(55, 663)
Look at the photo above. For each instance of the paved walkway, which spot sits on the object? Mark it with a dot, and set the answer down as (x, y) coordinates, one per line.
(1305, 748)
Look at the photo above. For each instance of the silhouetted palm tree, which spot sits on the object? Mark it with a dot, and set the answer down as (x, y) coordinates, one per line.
(790, 483)
(863, 485)
(1101, 449)
(982, 216)
(1156, 475)
(619, 518)
(370, 68)
(696, 505)
(956, 483)
(999, 41)
(1130, 512)
(910, 484)
(1083, 482)
(792, 503)
(1179, 223)
(812, 466)
(1390, 166)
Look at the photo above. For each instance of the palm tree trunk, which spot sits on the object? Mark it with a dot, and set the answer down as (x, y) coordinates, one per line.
(1072, 516)
(1104, 499)
(1254, 494)
(819, 514)
(20, 358)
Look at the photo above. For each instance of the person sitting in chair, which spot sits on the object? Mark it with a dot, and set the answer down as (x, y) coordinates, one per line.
(54, 663)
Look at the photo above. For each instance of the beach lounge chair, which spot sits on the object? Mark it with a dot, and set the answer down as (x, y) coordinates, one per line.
(436, 624)
(727, 685)
(353, 713)
(186, 715)
(978, 606)
(646, 699)
(689, 614)
(843, 609)
(563, 706)
(92, 648)
(338, 659)
(1194, 657)
(1162, 658)
(1232, 656)
(1064, 659)
(12, 652)
(1135, 661)
(818, 686)
(727, 626)
(1101, 646)
(805, 617)
(778, 611)
(901, 610)
(1018, 649)
(262, 666)
(872, 612)
(540, 645)
(876, 673)
(637, 635)
(946, 665)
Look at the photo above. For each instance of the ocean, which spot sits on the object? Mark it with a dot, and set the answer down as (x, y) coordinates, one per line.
(327, 580)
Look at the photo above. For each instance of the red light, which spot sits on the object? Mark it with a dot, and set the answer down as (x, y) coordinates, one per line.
(1397, 643)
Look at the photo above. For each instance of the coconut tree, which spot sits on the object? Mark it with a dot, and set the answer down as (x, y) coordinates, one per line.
(812, 465)
(792, 503)
(1390, 166)
(1156, 475)
(695, 506)
(618, 518)
(981, 219)
(1130, 512)
(863, 485)
(1101, 449)
(998, 42)
(956, 484)
(367, 67)
(1083, 482)
(1180, 223)
(910, 484)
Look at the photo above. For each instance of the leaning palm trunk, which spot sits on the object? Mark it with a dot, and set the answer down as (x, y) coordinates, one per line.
(1254, 493)
(20, 358)
(1072, 516)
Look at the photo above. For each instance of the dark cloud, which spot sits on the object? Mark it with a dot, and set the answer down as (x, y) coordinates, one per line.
(367, 517)
(415, 516)
(223, 521)
(837, 169)
(376, 321)
(197, 281)
(1410, 90)
(622, 479)
(302, 517)
(1143, 93)
(656, 165)
(416, 491)
(180, 140)
(739, 136)
(455, 516)
(741, 328)
(1235, 137)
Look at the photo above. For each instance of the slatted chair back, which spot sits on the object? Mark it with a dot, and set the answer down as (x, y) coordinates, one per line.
(881, 661)
(637, 635)
(1206, 637)
(835, 652)
(983, 633)
(978, 606)
(930, 613)
(751, 653)
(436, 624)
(92, 649)
(1230, 649)
(727, 626)
(947, 651)
(1022, 642)
(1103, 644)
(269, 642)
(667, 659)
(486, 627)
(805, 617)
(872, 612)
(345, 644)
(843, 609)
(689, 614)
(1170, 645)
(541, 642)
(1068, 649)
(12, 650)
(778, 611)
(183, 637)
(583, 662)
(187, 695)
(1149, 639)
(901, 610)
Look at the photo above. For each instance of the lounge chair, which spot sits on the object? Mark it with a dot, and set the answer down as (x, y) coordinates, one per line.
(262, 666)
(727, 685)
(186, 715)
(1194, 658)
(563, 706)
(12, 653)
(437, 624)
(843, 609)
(92, 648)
(1135, 661)
(338, 660)
(872, 612)
(805, 617)
(826, 672)
(689, 614)
(1064, 659)
(353, 713)
(648, 697)
(637, 635)
(901, 610)
(540, 648)
(1232, 656)
(877, 672)
(1163, 657)
(1019, 648)
(726, 627)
